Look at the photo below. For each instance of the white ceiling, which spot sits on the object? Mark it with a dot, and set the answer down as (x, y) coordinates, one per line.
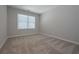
(35, 8)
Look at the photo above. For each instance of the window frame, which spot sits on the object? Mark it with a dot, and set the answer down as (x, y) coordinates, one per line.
(26, 23)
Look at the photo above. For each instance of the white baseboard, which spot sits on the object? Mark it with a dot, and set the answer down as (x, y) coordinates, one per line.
(3, 42)
(21, 35)
(74, 42)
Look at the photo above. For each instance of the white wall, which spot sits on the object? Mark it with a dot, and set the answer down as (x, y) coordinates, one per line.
(62, 21)
(12, 22)
(3, 23)
(77, 24)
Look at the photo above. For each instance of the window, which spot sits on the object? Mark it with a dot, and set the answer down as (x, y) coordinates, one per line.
(26, 22)
(31, 22)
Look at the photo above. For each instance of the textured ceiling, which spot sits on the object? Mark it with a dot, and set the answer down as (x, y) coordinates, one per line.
(35, 8)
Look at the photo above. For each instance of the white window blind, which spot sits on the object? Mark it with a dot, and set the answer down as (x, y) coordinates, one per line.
(25, 22)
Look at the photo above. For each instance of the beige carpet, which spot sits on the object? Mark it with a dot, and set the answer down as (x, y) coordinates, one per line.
(34, 44)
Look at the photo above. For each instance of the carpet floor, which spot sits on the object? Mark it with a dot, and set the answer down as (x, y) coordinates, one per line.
(33, 44)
